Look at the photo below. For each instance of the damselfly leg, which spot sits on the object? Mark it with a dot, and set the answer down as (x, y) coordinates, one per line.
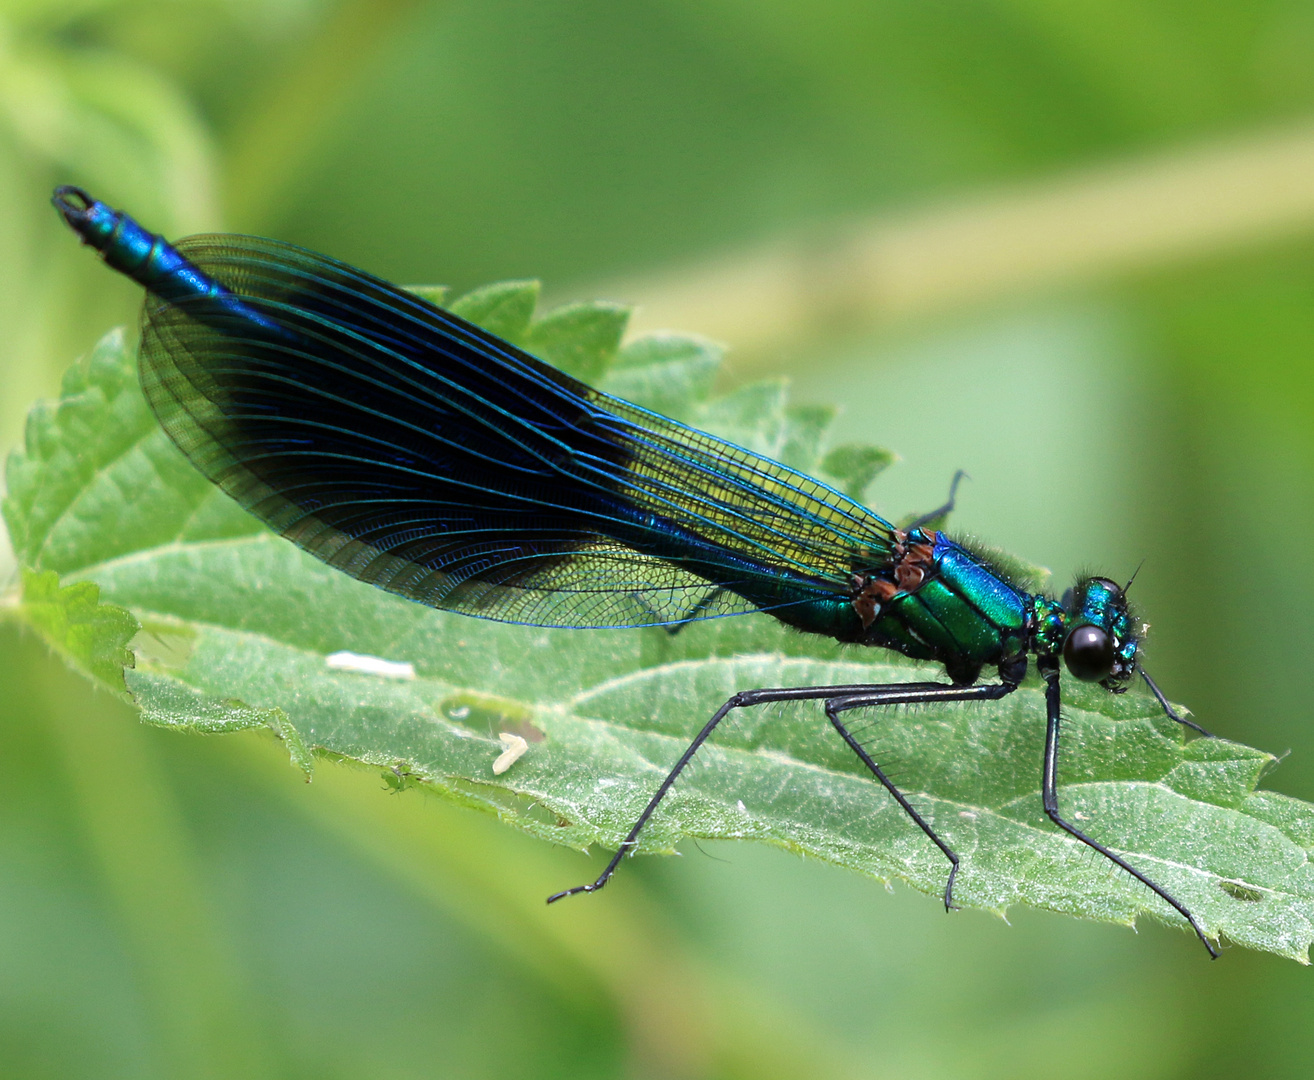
(1049, 796)
(1167, 707)
(837, 699)
(841, 699)
(936, 517)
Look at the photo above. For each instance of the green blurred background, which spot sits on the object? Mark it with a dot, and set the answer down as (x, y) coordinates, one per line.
(1069, 248)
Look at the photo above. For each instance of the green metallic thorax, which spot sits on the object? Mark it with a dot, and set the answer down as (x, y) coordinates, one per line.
(964, 614)
(936, 601)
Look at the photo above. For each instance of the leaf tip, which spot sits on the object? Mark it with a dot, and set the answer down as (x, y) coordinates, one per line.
(92, 636)
(302, 757)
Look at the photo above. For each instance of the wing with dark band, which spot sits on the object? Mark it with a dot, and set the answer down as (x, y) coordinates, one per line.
(418, 453)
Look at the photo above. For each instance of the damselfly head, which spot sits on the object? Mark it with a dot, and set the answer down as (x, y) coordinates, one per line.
(1101, 643)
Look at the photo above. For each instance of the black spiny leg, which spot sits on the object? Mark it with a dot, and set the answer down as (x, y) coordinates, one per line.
(1169, 711)
(911, 694)
(695, 612)
(939, 512)
(1049, 795)
(838, 699)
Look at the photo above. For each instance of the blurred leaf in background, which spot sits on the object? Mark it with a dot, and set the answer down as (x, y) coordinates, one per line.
(70, 106)
(177, 906)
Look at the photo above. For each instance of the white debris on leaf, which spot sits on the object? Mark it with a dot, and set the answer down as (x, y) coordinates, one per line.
(515, 750)
(361, 664)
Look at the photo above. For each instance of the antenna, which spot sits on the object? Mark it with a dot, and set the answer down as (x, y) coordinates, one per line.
(1127, 588)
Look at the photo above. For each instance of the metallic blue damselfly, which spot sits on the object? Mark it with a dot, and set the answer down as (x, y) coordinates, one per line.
(416, 452)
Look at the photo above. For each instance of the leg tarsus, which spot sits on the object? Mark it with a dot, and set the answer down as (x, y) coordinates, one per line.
(631, 841)
(1169, 711)
(603, 878)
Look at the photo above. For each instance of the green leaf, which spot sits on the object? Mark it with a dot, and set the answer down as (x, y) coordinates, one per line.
(581, 339)
(853, 466)
(73, 621)
(667, 373)
(805, 428)
(238, 628)
(753, 416)
(505, 308)
(435, 294)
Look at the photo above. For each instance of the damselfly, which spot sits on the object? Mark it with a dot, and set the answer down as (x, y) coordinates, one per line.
(423, 455)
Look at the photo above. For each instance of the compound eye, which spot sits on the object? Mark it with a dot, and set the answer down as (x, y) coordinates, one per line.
(1088, 652)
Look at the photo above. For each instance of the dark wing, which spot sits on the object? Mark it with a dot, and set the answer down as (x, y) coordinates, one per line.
(416, 452)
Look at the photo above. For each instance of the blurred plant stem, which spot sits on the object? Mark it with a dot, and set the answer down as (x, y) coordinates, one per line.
(269, 148)
(75, 111)
(1104, 222)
